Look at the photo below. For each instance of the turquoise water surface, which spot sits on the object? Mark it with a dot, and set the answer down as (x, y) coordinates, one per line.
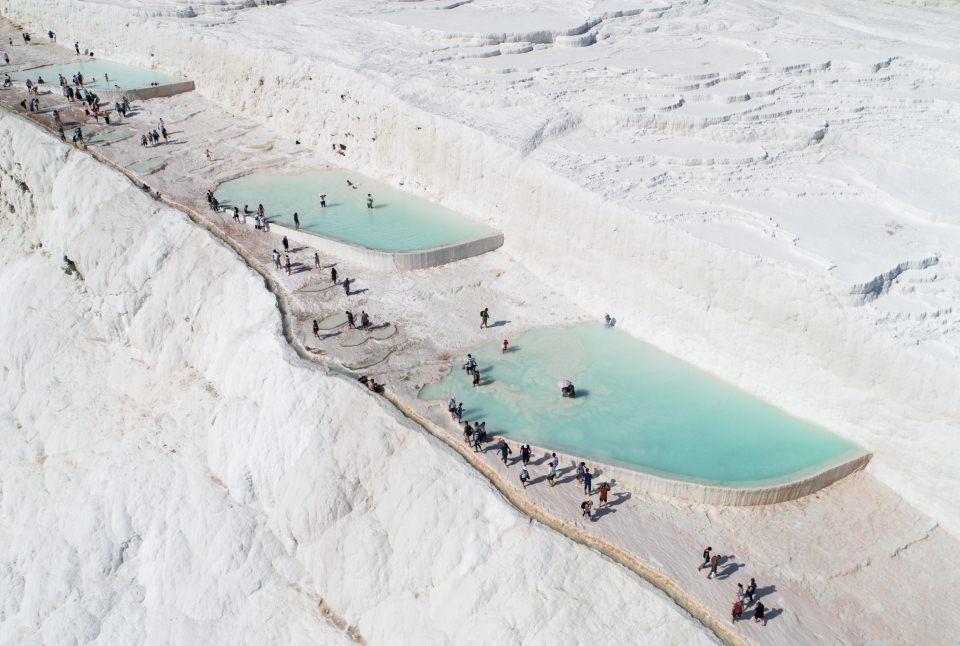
(124, 76)
(398, 222)
(637, 407)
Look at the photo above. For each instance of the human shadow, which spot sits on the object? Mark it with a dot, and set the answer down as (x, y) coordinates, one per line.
(764, 591)
(772, 613)
(500, 323)
(603, 511)
(328, 335)
(299, 268)
(357, 291)
(296, 249)
(728, 568)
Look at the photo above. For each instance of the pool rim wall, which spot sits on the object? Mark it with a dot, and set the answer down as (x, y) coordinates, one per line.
(160, 91)
(393, 260)
(642, 482)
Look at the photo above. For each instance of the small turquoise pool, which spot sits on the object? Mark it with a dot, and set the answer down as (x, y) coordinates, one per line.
(637, 407)
(98, 74)
(398, 222)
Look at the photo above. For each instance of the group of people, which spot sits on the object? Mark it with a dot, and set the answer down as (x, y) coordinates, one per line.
(745, 596)
(152, 137)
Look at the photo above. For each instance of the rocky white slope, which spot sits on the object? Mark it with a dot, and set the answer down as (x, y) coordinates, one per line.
(755, 186)
(172, 472)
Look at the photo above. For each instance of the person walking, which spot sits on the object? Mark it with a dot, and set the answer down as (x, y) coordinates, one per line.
(477, 445)
(289, 271)
(705, 558)
(459, 411)
(484, 317)
(759, 614)
(452, 408)
(504, 450)
(587, 481)
(476, 378)
(364, 320)
(740, 593)
(714, 564)
(316, 328)
(604, 491)
(285, 243)
(751, 590)
(524, 476)
(503, 348)
(585, 507)
(350, 321)
(736, 613)
(369, 201)
(346, 286)
(276, 258)
(333, 275)
(316, 259)
(552, 475)
(525, 454)
(580, 469)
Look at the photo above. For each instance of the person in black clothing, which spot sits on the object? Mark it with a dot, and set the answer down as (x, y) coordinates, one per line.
(350, 321)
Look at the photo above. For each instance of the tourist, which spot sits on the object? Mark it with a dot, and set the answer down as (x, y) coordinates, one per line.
(504, 450)
(236, 215)
(452, 408)
(580, 469)
(586, 506)
(459, 411)
(6, 60)
(260, 210)
(316, 328)
(604, 491)
(476, 378)
(503, 348)
(751, 590)
(350, 322)
(76, 46)
(525, 453)
(484, 317)
(704, 559)
(467, 432)
(483, 431)
(477, 446)
(316, 260)
(333, 275)
(740, 593)
(759, 614)
(736, 613)
(346, 286)
(209, 156)
(276, 258)
(323, 201)
(524, 475)
(369, 201)
(551, 475)
(587, 482)
(470, 364)
(364, 320)
(285, 243)
(163, 131)
(554, 461)
(607, 321)
(714, 564)
(287, 263)
(296, 219)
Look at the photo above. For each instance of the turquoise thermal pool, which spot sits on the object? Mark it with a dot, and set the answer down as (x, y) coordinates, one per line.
(398, 222)
(637, 407)
(96, 73)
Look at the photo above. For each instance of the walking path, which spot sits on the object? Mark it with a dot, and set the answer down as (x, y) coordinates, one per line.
(852, 563)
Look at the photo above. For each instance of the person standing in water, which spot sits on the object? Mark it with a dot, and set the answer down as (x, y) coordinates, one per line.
(369, 201)
(503, 348)
(323, 200)
(296, 219)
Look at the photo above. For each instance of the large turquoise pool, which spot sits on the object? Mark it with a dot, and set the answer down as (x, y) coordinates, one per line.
(98, 74)
(639, 408)
(398, 222)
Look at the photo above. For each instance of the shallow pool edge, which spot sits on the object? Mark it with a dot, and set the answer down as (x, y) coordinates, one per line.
(391, 260)
(645, 482)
